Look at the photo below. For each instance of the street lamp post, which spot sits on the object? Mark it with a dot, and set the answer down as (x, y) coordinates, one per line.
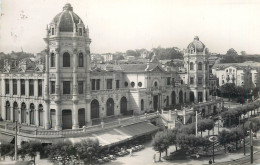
(15, 147)
(251, 143)
(0, 151)
(244, 137)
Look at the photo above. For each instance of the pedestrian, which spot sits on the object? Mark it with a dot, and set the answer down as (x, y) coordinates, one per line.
(154, 157)
(131, 152)
(210, 161)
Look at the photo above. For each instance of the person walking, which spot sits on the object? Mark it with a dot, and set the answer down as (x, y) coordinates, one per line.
(131, 152)
(210, 161)
(154, 158)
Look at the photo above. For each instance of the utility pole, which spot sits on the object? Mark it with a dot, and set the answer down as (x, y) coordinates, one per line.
(15, 147)
(251, 143)
(196, 118)
(244, 135)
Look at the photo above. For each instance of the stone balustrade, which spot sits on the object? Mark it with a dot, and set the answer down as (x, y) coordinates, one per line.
(34, 132)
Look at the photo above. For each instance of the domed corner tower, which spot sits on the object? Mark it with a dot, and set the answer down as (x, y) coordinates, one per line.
(67, 86)
(196, 62)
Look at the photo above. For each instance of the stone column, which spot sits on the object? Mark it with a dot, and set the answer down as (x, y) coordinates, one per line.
(11, 111)
(87, 90)
(195, 96)
(46, 93)
(88, 112)
(204, 95)
(75, 115)
(19, 112)
(28, 115)
(58, 125)
(3, 109)
(58, 116)
(46, 108)
(27, 88)
(35, 85)
(11, 87)
(36, 115)
(18, 87)
(75, 91)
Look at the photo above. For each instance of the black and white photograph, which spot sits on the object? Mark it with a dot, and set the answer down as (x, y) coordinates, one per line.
(129, 82)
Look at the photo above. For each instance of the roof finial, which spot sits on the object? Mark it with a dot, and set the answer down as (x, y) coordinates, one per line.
(68, 7)
(196, 38)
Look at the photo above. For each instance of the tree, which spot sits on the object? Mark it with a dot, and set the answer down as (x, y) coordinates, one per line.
(172, 136)
(243, 53)
(190, 142)
(229, 89)
(60, 152)
(236, 134)
(7, 149)
(132, 53)
(224, 138)
(32, 148)
(255, 125)
(86, 149)
(231, 52)
(188, 129)
(160, 143)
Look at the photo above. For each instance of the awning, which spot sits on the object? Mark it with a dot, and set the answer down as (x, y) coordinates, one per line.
(111, 137)
(6, 138)
(138, 129)
(119, 135)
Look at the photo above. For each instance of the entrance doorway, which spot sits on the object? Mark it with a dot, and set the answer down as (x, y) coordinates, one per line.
(155, 102)
(66, 119)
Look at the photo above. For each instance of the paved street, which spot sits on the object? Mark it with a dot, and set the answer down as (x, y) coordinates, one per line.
(145, 157)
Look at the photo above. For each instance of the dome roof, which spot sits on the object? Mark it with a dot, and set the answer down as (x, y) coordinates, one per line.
(66, 19)
(197, 45)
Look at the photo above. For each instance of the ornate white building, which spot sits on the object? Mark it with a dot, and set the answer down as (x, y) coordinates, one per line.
(63, 91)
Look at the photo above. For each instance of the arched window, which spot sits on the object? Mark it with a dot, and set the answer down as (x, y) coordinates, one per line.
(155, 83)
(142, 105)
(8, 110)
(191, 66)
(32, 117)
(81, 60)
(40, 117)
(200, 66)
(23, 113)
(52, 60)
(66, 59)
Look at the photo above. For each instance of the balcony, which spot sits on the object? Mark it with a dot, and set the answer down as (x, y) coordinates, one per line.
(109, 91)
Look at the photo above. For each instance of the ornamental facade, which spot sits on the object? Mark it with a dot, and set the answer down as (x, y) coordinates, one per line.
(63, 90)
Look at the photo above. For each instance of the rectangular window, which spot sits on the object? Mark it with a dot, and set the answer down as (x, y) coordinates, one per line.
(93, 84)
(80, 31)
(192, 80)
(200, 80)
(52, 87)
(39, 87)
(168, 81)
(66, 87)
(7, 87)
(117, 84)
(14, 87)
(109, 83)
(52, 31)
(80, 87)
(31, 88)
(22, 87)
(98, 84)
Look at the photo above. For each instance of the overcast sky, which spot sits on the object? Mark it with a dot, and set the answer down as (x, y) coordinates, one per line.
(119, 25)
